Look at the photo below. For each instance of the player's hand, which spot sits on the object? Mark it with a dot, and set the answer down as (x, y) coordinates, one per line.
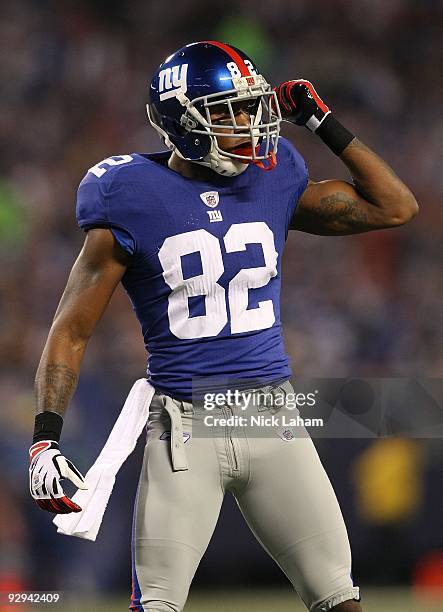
(301, 104)
(47, 468)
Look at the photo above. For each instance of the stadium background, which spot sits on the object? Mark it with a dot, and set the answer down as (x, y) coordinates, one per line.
(74, 79)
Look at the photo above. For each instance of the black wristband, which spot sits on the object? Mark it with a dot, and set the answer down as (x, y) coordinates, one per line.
(334, 134)
(48, 426)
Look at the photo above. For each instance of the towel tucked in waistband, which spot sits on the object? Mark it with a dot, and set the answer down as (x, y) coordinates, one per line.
(100, 478)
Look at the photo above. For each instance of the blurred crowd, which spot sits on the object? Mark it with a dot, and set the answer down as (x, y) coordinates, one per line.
(75, 78)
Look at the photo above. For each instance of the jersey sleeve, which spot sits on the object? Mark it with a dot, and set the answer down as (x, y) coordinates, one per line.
(101, 203)
(297, 171)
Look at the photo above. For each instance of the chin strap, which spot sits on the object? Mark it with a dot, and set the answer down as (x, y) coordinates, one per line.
(230, 167)
(220, 164)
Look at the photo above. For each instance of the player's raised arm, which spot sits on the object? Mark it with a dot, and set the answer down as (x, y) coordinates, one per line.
(92, 281)
(377, 199)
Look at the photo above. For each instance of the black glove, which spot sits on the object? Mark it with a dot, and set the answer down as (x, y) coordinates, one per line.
(301, 104)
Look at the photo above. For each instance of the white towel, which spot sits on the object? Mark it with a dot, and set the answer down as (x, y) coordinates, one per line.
(101, 476)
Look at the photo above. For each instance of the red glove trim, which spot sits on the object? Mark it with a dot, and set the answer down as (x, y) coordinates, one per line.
(312, 91)
(37, 448)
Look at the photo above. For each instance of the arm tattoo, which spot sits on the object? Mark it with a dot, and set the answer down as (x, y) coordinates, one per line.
(54, 386)
(338, 208)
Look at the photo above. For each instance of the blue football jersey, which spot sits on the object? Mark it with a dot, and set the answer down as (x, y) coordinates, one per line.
(205, 270)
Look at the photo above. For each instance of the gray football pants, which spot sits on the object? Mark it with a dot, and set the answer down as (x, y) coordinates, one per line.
(278, 482)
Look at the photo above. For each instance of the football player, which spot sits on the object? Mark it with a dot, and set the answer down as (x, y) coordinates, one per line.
(196, 234)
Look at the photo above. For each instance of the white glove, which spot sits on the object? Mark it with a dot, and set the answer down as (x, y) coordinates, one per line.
(47, 468)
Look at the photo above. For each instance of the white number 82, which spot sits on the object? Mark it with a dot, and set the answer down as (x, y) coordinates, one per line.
(210, 324)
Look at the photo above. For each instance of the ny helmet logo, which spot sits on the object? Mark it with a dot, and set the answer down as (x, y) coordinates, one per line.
(172, 81)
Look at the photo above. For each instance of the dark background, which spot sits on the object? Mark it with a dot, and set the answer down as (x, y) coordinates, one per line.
(74, 81)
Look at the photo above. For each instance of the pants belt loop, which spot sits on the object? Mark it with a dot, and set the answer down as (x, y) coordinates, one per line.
(178, 453)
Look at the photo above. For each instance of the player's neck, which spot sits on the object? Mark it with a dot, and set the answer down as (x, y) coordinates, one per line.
(189, 169)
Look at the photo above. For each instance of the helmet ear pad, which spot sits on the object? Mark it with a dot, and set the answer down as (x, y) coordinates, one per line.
(192, 146)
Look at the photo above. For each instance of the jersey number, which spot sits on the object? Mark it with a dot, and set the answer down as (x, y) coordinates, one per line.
(109, 161)
(210, 324)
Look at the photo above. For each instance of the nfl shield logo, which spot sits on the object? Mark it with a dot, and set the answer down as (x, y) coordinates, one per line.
(286, 434)
(210, 198)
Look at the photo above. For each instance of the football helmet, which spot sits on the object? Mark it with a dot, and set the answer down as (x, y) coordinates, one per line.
(210, 76)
